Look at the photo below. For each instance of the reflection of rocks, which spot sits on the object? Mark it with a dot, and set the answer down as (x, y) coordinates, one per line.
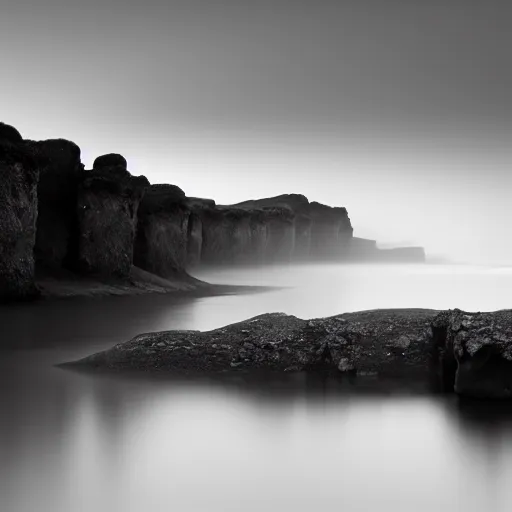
(470, 352)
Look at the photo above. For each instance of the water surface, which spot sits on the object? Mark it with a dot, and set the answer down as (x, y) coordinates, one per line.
(72, 442)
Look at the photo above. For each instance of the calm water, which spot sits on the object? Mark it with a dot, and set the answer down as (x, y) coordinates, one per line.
(72, 442)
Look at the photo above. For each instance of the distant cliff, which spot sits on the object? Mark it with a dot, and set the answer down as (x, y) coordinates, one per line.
(57, 217)
(365, 250)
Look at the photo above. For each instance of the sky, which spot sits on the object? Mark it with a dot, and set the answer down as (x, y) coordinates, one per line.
(399, 110)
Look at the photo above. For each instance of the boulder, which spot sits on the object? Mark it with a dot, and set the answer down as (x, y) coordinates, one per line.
(9, 134)
(108, 200)
(110, 160)
(18, 213)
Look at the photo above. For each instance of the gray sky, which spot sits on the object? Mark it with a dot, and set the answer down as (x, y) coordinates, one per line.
(399, 110)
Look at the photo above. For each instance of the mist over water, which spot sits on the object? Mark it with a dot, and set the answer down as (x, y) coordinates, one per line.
(73, 442)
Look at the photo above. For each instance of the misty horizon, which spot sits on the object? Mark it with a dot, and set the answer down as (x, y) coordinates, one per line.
(398, 111)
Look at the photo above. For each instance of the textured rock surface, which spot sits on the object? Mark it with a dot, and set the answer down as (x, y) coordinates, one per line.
(57, 230)
(161, 245)
(18, 214)
(469, 353)
(108, 199)
(374, 343)
(476, 352)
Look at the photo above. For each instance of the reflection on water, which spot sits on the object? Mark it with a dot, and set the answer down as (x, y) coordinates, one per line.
(73, 442)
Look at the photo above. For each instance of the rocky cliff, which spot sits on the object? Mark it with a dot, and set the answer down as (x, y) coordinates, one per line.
(302, 230)
(161, 244)
(56, 217)
(364, 250)
(18, 215)
(107, 204)
(60, 171)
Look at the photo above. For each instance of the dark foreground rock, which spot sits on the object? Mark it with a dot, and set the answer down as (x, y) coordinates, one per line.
(469, 353)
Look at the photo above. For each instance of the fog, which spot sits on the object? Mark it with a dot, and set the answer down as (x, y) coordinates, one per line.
(398, 110)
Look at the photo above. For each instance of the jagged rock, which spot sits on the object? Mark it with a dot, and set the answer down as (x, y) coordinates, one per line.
(108, 199)
(476, 352)
(162, 231)
(18, 213)
(57, 221)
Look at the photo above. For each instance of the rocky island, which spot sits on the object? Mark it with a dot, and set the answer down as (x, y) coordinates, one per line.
(66, 230)
(450, 351)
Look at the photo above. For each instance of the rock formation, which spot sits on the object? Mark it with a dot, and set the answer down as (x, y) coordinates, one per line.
(60, 170)
(331, 232)
(108, 199)
(87, 222)
(161, 245)
(466, 353)
(18, 213)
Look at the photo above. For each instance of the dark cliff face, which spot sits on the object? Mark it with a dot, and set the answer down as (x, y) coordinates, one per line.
(280, 226)
(18, 213)
(57, 221)
(331, 232)
(108, 200)
(245, 235)
(162, 231)
(319, 231)
(222, 237)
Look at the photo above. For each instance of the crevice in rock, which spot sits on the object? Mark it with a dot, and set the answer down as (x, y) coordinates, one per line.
(444, 362)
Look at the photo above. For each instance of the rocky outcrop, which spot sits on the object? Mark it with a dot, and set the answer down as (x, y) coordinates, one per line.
(108, 200)
(87, 222)
(161, 245)
(331, 232)
(367, 344)
(18, 214)
(60, 170)
(466, 353)
(476, 352)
